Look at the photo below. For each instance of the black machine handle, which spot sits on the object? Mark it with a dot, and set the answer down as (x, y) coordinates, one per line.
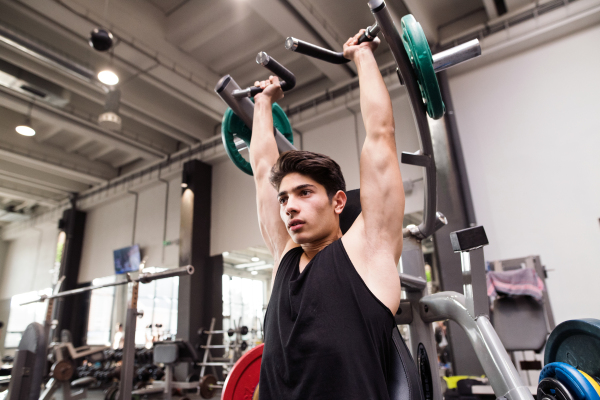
(311, 50)
(287, 80)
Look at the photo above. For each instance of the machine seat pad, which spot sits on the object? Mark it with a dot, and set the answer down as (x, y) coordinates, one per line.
(403, 381)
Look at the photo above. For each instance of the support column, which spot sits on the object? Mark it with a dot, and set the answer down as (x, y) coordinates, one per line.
(200, 295)
(454, 201)
(68, 310)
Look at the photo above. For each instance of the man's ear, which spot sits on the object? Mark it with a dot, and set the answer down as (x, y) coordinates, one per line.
(339, 201)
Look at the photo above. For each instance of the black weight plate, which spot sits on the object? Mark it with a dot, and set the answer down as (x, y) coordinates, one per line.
(576, 343)
(552, 389)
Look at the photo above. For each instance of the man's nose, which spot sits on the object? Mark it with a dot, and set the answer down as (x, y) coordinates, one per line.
(291, 207)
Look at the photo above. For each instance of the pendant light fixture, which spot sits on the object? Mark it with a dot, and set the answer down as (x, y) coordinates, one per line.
(26, 129)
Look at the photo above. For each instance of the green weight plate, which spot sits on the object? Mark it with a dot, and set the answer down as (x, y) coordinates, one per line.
(417, 48)
(232, 124)
(576, 343)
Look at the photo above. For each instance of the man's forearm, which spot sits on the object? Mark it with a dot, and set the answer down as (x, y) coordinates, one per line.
(263, 148)
(375, 103)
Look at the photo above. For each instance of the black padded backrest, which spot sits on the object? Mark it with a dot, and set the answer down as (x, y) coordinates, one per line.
(520, 322)
(351, 211)
(403, 380)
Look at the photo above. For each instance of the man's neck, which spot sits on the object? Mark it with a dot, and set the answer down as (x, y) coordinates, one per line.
(311, 249)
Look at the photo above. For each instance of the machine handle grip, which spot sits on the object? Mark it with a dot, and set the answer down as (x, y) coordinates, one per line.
(287, 80)
(369, 34)
(311, 50)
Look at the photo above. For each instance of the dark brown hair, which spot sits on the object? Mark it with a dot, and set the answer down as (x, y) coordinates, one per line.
(314, 165)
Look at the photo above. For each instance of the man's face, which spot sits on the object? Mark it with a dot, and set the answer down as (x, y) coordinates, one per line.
(306, 210)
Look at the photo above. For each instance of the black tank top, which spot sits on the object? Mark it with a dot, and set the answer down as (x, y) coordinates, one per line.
(326, 334)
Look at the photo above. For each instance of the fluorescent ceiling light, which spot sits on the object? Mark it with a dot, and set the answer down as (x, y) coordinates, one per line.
(25, 130)
(254, 273)
(108, 77)
(255, 259)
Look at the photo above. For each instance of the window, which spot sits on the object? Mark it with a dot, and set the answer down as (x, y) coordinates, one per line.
(101, 312)
(159, 301)
(243, 302)
(21, 316)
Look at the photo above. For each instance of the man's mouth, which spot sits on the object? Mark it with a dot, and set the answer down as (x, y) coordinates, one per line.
(295, 224)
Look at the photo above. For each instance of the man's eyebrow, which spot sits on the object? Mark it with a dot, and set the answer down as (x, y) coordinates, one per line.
(299, 187)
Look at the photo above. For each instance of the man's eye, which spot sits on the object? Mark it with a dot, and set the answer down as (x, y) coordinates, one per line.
(282, 200)
(304, 192)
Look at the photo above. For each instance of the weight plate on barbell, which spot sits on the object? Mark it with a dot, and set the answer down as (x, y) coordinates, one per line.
(206, 391)
(232, 124)
(572, 379)
(417, 48)
(242, 381)
(552, 389)
(577, 343)
(62, 370)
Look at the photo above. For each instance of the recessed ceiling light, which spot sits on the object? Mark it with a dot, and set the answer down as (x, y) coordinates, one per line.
(25, 130)
(225, 253)
(255, 259)
(254, 273)
(183, 185)
(108, 77)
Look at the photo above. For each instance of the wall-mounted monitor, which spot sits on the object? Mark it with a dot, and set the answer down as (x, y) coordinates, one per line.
(127, 259)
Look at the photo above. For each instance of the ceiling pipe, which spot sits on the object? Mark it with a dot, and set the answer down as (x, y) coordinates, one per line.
(41, 53)
(72, 68)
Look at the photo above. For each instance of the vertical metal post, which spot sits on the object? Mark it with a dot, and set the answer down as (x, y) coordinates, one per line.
(421, 332)
(474, 284)
(128, 365)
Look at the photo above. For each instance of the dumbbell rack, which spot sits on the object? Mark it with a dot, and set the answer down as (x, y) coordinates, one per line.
(226, 362)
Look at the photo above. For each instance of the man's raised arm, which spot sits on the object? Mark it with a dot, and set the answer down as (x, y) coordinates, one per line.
(381, 190)
(263, 155)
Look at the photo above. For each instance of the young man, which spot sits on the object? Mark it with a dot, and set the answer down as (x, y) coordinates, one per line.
(330, 318)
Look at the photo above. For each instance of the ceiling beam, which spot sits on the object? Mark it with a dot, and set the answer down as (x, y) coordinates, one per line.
(48, 134)
(36, 176)
(124, 161)
(284, 21)
(102, 153)
(20, 195)
(490, 8)
(78, 145)
(46, 166)
(427, 20)
(335, 41)
(199, 23)
(24, 204)
(20, 103)
(25, 182)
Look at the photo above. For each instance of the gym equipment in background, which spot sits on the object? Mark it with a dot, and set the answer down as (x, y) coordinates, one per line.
(572, 358)
(63, 369)
(522, 322)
